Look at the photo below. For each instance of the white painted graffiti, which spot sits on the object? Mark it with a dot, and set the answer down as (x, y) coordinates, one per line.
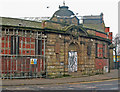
(72, 61)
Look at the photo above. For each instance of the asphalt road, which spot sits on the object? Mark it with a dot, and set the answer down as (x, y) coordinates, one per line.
(94, 85)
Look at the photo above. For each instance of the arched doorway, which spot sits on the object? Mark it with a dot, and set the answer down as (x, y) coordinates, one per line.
(72, 58)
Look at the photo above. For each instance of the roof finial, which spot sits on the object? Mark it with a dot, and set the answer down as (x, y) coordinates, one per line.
(64, 3)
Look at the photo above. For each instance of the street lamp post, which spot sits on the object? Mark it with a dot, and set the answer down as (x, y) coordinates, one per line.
(116, 54)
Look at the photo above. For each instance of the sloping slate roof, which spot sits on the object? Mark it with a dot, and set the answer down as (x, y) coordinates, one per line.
(99, 27)
(63, 11)
(19, 22)
(92, 17)
(92, 21)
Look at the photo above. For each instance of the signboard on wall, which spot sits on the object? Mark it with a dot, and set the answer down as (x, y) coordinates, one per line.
(33, 61)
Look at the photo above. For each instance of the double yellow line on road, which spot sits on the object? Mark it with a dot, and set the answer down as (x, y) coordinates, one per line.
(92, 81)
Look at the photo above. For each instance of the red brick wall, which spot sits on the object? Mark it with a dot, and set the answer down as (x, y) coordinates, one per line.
(28, 48)
(18, 64)
(101, 35)
(100, 63)
(110, 36)
(100, 50)
(107, 29)
(11, 64)
(4, 44)
(106, 51)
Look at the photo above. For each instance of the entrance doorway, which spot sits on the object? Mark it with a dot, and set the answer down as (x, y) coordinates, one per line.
(72, 57)
(72, 61)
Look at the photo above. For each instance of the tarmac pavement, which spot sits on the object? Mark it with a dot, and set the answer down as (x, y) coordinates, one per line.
(42, 81)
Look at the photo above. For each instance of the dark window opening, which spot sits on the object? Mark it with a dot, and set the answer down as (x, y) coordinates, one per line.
(96, 49)
(27, 51)
(88, 50)
(14, 45)
(38, 47)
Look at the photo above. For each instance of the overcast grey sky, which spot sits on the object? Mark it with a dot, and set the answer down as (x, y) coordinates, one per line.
(38, 8)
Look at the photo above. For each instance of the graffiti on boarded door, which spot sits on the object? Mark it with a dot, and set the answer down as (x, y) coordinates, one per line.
(72, 61)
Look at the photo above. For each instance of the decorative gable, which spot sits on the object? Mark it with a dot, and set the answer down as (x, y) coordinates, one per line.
(76, 31)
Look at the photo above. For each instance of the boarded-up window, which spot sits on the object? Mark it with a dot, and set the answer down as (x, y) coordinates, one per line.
(57, 47)
(57, 57)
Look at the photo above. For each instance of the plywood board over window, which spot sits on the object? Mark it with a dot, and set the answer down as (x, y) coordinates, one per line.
(57, 48)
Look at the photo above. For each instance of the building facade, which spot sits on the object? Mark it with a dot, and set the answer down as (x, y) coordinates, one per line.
(56, 47)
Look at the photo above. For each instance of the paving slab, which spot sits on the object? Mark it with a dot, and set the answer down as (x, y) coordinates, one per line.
(42, 81)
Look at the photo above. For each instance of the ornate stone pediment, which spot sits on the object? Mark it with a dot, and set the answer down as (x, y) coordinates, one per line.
(76, 31)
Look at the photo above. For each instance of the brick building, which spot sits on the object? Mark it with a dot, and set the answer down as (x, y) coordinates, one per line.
(54, 47)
